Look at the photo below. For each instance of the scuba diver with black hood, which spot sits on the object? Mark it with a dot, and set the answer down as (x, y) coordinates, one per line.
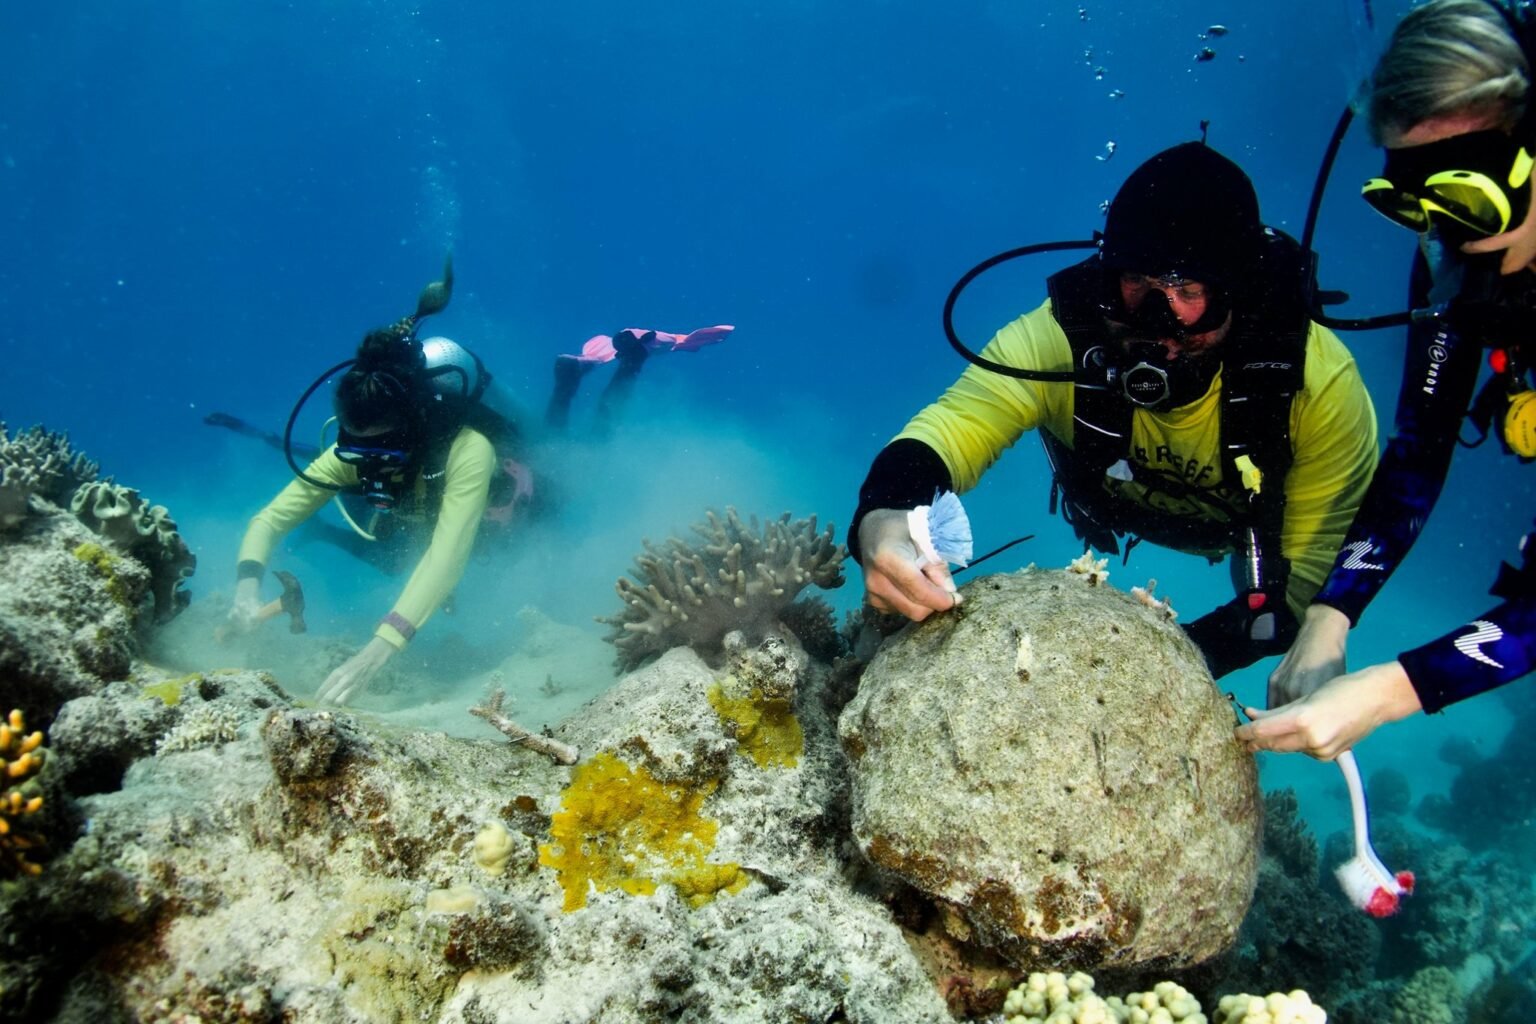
(1450, 100)
(419, 456)
(1183, 396)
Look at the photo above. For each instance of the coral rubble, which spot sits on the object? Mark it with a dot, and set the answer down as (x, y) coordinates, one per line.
(739, 576)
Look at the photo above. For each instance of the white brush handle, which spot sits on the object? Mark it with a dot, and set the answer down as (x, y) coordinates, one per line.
(1357, 807)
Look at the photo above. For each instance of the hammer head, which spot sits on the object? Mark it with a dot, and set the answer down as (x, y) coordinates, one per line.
(292, 600)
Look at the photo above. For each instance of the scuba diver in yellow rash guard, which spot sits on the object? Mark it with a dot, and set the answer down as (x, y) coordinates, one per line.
(1190, 401)
(417, 441)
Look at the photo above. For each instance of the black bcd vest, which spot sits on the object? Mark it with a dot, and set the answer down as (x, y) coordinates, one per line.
(1263, 368)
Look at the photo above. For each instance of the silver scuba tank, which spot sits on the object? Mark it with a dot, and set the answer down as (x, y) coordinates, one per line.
(456, 375)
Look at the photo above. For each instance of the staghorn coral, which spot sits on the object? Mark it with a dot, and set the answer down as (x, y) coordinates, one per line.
(22, 756)
(144, 532)
(41, 462)
(740, 577)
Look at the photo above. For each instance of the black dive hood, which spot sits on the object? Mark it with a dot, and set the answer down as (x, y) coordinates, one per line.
(434, 297)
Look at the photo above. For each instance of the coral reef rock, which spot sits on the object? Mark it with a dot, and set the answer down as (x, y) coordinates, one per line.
(141, 531)
(1052, 765)
(740, 576)
(237, 858)
(40, 462)
(69, 614)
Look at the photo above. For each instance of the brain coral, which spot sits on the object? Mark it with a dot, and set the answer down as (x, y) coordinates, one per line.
(739, 577)
(1052, 766)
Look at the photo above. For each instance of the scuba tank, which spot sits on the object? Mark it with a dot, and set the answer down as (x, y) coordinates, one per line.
(458, 382)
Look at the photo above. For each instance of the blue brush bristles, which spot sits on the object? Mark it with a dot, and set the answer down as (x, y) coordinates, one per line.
(950, 528)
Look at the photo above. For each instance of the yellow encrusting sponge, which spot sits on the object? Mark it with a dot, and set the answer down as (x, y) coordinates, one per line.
(622, 828)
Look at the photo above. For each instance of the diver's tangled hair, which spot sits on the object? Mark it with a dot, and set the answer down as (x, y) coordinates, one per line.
(380, 388)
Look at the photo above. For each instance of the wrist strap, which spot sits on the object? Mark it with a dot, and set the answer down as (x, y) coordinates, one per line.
(400, 624)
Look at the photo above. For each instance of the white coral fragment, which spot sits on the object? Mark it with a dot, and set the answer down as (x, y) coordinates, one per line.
(1024, 660)
(1093, 568)
(1164, 606)
(207, 725)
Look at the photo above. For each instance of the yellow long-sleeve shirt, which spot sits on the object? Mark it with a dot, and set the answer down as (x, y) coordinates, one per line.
(466, 489)
(1333, 437)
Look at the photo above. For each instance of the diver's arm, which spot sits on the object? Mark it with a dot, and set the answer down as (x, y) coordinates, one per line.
(952, 442)
(947, 446)
(466, 490)
(1439, 376)
(1496, 648)
(907, 473)
(1333, 438)
(1486, 653)
(294, 504)
(983, 413)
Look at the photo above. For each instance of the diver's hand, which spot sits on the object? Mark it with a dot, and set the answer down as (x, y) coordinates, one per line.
(352, 678)
(245, 613)
(1316, 657)
(892, 580)
(1517, 244)
(1335, 717)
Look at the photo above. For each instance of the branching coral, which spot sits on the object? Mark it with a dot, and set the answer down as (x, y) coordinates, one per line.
(22, 757)
(141, 531)
(38, 461)
(740, 577)
(621, 828)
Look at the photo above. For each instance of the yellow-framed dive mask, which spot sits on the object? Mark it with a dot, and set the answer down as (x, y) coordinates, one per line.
(1479, 181)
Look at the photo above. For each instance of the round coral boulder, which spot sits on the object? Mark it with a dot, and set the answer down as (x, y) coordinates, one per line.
(1052, 764)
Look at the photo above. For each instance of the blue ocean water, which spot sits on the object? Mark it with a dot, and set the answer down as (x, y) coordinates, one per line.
(207, 204)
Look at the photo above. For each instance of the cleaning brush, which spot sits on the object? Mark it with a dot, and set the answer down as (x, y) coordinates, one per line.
(1364, 879)
(942, 531)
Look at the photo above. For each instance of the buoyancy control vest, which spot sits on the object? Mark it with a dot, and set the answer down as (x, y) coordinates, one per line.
(1263, 368)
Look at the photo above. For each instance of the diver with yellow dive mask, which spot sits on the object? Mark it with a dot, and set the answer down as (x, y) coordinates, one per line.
(1451, 102)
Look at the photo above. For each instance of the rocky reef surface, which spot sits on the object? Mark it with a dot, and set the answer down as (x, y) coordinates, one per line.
(212, 848)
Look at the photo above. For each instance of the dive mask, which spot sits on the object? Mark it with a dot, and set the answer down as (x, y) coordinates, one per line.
(380, 461)
(372, 456)
(1477, 182)
(1145, 372)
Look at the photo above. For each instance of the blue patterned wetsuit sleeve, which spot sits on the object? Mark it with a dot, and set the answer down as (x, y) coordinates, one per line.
(1486, 653)
(1440, 372)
